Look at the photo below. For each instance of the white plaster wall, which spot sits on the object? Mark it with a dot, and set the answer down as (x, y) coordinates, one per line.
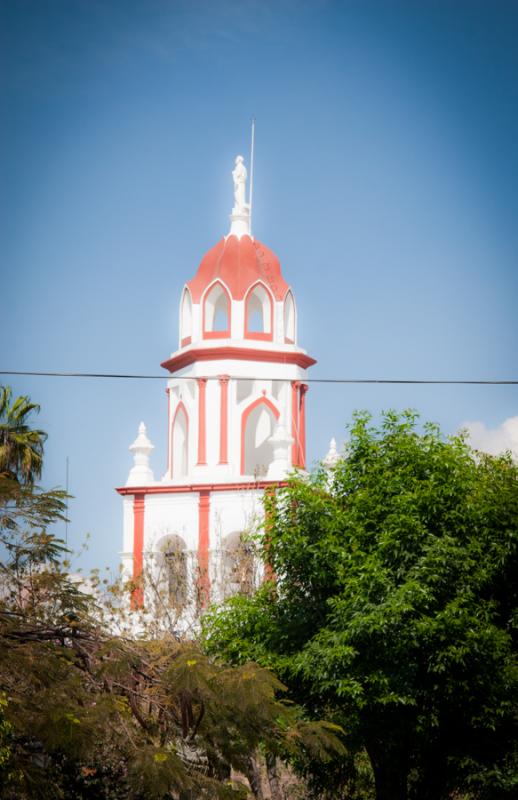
(127, 523)
(166, 514)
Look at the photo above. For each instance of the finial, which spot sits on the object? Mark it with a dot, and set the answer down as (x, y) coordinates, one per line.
(141, 473)
(240, 217)
(332, 458)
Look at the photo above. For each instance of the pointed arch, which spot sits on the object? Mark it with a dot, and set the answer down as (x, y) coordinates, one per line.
(257, 425)
(289, 318)
(259, 313)
(172, 569)
(237, 565)
(186, 318)
(180, 442)
(217, 309)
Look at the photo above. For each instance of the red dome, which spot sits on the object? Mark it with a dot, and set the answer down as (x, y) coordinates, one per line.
(239, 263)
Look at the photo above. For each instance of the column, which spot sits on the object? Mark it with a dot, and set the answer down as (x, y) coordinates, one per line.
(203, 548)
(137, 596)
(295, 423)
(223, 419)
(302, 425)
(168, 394)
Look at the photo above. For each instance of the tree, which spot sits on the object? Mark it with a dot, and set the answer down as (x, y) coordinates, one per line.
(394, 609)
(21, 447)
(86, 712)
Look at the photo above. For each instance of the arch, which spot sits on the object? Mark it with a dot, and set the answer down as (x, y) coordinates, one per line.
(258, 313)
(180, 442)
(237, 565)
(289, 319)
(186, 318)
(172, 570)
(216, 312)
(257, 425)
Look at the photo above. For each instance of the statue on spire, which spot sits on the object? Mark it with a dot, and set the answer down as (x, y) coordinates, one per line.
(240, 175)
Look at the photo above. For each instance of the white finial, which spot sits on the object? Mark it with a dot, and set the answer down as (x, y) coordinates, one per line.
(332, 458)
(141, 473)
(281, 442)
(240, 217)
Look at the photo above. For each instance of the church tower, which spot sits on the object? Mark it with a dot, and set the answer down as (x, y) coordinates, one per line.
(236, 420)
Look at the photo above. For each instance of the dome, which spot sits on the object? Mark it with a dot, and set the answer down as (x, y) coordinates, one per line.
(239, 262)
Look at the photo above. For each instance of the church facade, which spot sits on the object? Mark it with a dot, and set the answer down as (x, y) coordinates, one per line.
(235, 419)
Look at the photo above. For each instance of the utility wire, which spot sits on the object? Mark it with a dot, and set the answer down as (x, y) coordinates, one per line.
(244, 378)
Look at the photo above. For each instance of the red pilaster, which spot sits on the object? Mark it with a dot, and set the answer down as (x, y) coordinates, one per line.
(223, 419)
(295, 423)
(202, 424)
(203, 547)
(168, 395)
(302, 425)
(137, 597)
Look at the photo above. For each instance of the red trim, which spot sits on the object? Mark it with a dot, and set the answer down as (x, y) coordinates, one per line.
(244, 420)
(203, 547)
(263, 335)
(187, 340)
(199, 487)
(302, 424)
(137, 596)
(168, 466)
(202, 432)
(217, 334)
(181, 360)
(295, 423)
(179, 407)
(223, 419)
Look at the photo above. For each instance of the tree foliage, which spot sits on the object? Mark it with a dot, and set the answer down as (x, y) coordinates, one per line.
(88, 712)
(394, 610)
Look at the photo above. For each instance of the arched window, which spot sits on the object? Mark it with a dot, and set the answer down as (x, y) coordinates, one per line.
(258, 313)
(289, 319)
(186, 318)
(216, 313)
(172, 571)
(237, 574)
(257, 425)
(180, 443)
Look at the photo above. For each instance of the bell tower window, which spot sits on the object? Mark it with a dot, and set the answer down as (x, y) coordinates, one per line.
(216, 313)
(258, 313)
(257, 426)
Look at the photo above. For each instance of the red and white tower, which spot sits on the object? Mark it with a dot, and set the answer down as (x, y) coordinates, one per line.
(236, 415)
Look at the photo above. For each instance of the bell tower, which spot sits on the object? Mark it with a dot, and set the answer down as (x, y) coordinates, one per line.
(235, 408)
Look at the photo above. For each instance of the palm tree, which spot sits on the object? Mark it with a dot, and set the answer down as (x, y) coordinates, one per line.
(21, 447)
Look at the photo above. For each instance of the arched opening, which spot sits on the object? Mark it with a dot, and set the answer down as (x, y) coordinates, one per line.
(180, 443)
(289, 319)
(237, 574)
(216, 313)
(186, 318)
(258, 314)
(257, 425)
(172, 578)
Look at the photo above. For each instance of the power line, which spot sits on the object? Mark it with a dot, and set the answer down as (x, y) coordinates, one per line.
(403, 381)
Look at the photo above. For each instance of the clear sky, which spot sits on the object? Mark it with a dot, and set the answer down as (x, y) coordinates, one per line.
(386, 181)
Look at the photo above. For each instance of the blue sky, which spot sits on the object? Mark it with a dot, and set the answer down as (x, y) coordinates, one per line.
(386, 181)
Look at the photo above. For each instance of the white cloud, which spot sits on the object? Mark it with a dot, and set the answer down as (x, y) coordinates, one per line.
(494, 440)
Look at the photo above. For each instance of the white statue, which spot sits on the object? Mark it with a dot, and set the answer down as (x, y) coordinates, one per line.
(239, 175)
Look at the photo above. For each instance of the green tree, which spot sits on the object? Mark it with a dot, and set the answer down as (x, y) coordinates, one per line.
(394, 610)
(21, 447)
